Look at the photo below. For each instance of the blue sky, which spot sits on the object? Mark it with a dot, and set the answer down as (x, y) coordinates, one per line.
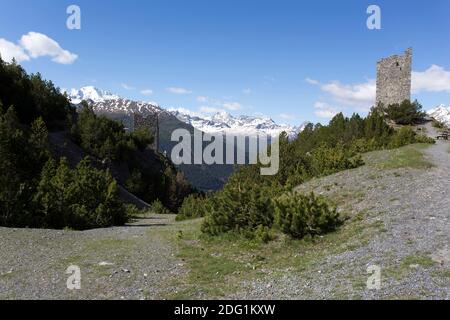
(291, 60)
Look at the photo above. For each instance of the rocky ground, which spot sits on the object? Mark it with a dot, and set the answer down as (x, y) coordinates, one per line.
(131, 262)
(398, 221)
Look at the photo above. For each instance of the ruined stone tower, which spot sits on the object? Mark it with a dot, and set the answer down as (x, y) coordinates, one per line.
(151, 123)
(394, 79)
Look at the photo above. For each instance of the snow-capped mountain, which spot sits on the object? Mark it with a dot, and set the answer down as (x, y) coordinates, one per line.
(106, 102)
(222, 122)
(90, 93)
(441, 114)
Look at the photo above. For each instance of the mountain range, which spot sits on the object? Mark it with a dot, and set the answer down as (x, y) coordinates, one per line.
(105, 102)
(223, 122)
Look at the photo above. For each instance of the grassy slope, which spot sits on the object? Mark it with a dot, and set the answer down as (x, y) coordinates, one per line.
(406, 157)
(218, 266)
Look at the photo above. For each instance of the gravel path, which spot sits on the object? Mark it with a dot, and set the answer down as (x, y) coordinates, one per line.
(131, 262)
(410, 243)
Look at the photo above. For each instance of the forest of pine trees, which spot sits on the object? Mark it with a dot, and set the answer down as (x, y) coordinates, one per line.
(39, 190)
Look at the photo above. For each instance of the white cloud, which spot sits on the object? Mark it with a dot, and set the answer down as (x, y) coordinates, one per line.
(434, 79)
(358, 95)
(233, 106)
(40, 45)
(312, 81)
(247, 91)
(126, 86)
(202, 99)
(361, 95)
(176, 90)
(147, 92)
(9, 50)
(324, 110)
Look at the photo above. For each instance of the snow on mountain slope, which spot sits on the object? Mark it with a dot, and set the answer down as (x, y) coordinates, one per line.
(441, 113)
(106, 102)
(222, 122)
(90, 93)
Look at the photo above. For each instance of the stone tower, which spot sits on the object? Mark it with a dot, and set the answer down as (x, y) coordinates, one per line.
(150, 122)
(394, 79)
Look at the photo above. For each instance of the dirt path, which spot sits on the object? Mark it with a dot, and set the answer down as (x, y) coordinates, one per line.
(131, 262)
(439, 154)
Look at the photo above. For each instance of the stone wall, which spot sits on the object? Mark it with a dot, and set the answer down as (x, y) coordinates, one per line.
(394, 79)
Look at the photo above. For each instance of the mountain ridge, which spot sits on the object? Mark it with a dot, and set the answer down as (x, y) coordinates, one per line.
(221, 122)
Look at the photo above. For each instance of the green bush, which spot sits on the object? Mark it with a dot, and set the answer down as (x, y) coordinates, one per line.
(132, 211)
(82, 198)
(420, 138)
(299, 215)
(406, 135)
(158, 208)
(240, 208)
(194, 206)
(264, 234)
(327, 160)
(438, 124)
(406, 113)
(402, 137)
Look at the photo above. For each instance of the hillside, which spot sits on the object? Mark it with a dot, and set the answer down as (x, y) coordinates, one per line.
(396, 206)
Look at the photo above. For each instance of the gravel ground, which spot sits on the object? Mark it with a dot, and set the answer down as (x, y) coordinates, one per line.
(131, 262)
(411, 245)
